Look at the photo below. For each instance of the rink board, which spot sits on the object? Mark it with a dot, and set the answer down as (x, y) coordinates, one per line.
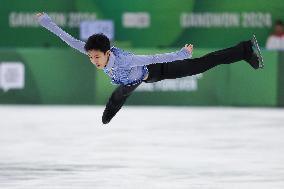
(64, 76)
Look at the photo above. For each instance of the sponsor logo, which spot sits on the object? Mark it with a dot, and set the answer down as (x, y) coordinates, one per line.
(12, 75)
(136, 20)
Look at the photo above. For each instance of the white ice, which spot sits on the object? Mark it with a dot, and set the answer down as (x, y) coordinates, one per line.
(67, 147)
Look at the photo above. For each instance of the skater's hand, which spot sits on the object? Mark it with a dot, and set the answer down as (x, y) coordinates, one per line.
(39, 14)
(189, 48)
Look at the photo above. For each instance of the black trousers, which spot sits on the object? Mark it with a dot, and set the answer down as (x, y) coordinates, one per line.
(178, 69)
(189, 67)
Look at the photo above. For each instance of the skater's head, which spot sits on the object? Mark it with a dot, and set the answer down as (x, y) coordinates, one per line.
(98, 49)
(278, 27)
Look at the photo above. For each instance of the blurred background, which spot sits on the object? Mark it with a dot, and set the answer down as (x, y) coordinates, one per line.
(219, 129)
(51, 72)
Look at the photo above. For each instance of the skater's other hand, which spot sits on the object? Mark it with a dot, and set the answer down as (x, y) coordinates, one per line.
(189, 48)
(39, 14)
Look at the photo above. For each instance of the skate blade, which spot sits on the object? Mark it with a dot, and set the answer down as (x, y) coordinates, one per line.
(258, 52)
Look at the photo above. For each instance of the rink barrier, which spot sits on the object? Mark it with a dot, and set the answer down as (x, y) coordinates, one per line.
(281, 79)
(64, 76)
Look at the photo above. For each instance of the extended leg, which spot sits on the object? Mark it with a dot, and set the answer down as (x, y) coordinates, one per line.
(188, 67)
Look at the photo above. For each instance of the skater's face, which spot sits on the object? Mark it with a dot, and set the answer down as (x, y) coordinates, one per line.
(99, 58)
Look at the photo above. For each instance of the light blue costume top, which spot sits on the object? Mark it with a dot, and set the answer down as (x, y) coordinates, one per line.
(123, 67)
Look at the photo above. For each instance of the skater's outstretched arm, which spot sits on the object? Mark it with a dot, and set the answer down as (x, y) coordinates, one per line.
(45, 21)
(140, 60)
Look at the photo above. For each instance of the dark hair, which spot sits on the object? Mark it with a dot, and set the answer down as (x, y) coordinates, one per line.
(278, 23)
(98, 42)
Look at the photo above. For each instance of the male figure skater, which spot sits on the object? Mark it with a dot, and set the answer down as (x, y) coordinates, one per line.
(129, 71)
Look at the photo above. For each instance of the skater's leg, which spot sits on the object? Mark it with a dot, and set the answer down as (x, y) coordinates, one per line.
(116, 101)
(188, 67)
(194, 66)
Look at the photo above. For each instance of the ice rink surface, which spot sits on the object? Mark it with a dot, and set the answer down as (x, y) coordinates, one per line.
(53, 147)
